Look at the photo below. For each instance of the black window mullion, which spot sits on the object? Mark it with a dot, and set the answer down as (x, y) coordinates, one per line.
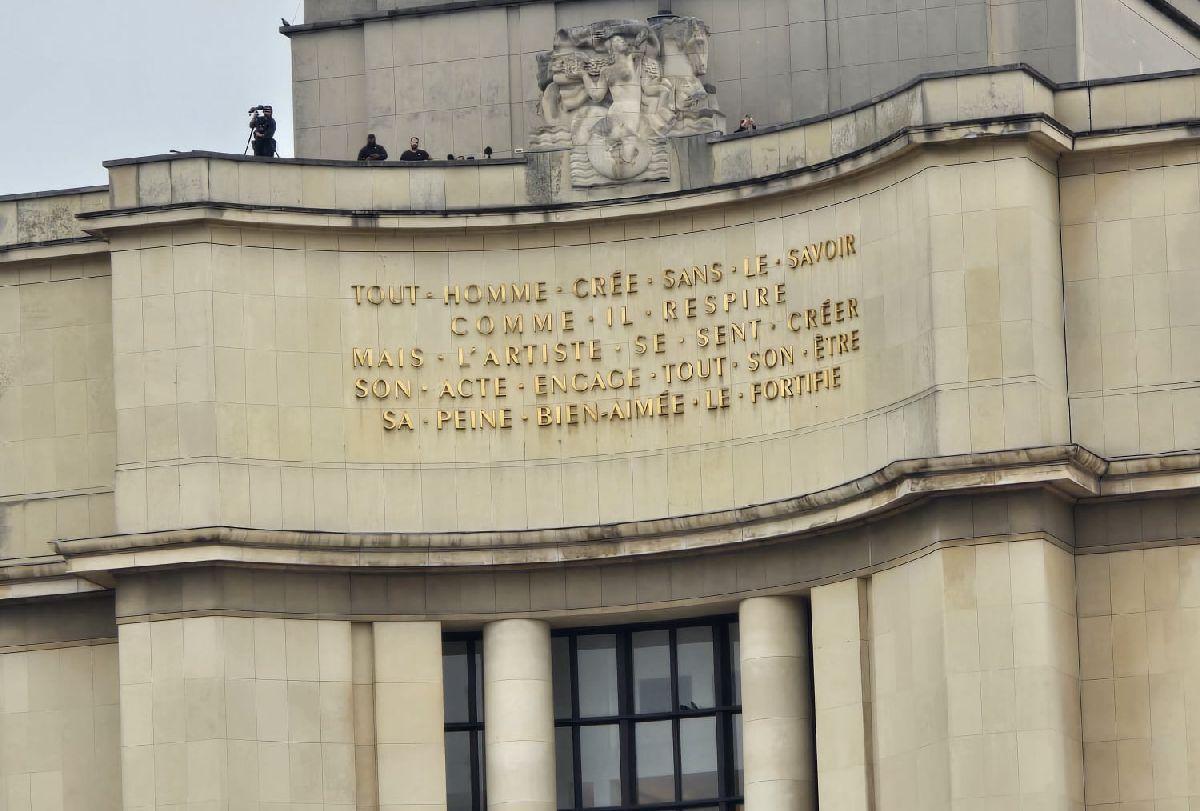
(628, 771)
(576, 766)
(478, 751)
(676, 757)
(473, 717)
(475, 767)
(572, 655)
(674, 659)
(472, 726)
(724, 695)
(723, 662)
(472, 710)
(626, 718)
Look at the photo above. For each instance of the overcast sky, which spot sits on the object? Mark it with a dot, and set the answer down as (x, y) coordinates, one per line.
(85, 81)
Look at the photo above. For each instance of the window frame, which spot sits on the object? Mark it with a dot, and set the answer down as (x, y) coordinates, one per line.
(475, 715)
(726, 712)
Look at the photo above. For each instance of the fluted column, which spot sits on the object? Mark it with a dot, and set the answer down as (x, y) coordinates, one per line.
(518, 702)
(777, 714)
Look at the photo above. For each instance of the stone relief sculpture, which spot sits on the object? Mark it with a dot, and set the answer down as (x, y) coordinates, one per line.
(613, 91)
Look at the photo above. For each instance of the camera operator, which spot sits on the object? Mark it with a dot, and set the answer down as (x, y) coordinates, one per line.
(262, 125)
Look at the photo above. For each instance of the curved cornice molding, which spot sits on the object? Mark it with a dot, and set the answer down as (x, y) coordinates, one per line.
(1041, 128)
(1012, 101)
(1069, 470)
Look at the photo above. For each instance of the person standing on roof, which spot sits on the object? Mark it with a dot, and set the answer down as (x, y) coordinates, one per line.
(372, 151)
(414, 151)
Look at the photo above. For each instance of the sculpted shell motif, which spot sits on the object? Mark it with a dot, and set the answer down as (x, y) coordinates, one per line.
(614, 91)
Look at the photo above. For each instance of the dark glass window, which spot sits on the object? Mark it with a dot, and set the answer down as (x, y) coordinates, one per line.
(462, 687)
(649, 717)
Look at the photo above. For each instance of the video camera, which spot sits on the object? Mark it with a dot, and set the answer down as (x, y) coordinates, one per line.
(262, 131)
(258, 119)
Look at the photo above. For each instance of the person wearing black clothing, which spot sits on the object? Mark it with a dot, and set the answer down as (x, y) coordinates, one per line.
(263, 125)
(414, 151)
(372, 151)
(746, 124)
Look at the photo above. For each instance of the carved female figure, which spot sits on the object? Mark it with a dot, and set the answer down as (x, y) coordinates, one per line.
(630, 79)
(607, 97)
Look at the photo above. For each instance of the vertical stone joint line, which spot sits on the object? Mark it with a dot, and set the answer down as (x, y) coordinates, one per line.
(362, 678)
(868, 686)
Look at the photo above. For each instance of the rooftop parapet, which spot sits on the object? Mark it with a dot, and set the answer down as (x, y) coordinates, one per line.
(48, 217)
(942, 107)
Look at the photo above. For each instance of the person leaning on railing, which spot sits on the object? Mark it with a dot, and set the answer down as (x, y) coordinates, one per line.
(746, 124)
(372, 151)
(414, 151)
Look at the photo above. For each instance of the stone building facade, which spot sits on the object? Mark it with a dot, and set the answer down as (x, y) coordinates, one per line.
(462, 76)
(852, 464)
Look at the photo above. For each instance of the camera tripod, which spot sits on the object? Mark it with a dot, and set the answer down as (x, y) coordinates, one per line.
(246, 151)
(256, 114)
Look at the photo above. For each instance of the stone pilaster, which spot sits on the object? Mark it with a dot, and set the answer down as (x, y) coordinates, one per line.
(842, 692)
(410, 737)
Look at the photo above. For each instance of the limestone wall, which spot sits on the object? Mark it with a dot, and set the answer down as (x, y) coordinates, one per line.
(46, 216)
(543, 179)
(464, 79)
(60, 729)
(951, 681)
(1138, 664)
(861, 364)
(57, 422)
(1001, 670)
(992, 627)
(1131, 254)
(253, 711)
(1126, 37)
(240, 396)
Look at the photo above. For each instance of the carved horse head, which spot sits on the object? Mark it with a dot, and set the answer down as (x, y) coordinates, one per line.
(690, 36)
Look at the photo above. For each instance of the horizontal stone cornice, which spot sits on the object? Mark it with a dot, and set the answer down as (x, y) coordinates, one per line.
(1071, 471)
(1041, 129)
(1173, 472)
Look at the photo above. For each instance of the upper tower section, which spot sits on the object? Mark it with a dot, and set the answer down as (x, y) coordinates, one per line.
(463, 76)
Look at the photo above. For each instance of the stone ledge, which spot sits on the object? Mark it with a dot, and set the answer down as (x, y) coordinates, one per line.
(41, 219)
(415, 8)
(1153, 474)
(343, 213)
(47, 587)
(999, 101)
(52, 249)
(993, 102)
(235, 157)
(703, 580)
(566, 615)
(1069, 470)
(38, 195)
